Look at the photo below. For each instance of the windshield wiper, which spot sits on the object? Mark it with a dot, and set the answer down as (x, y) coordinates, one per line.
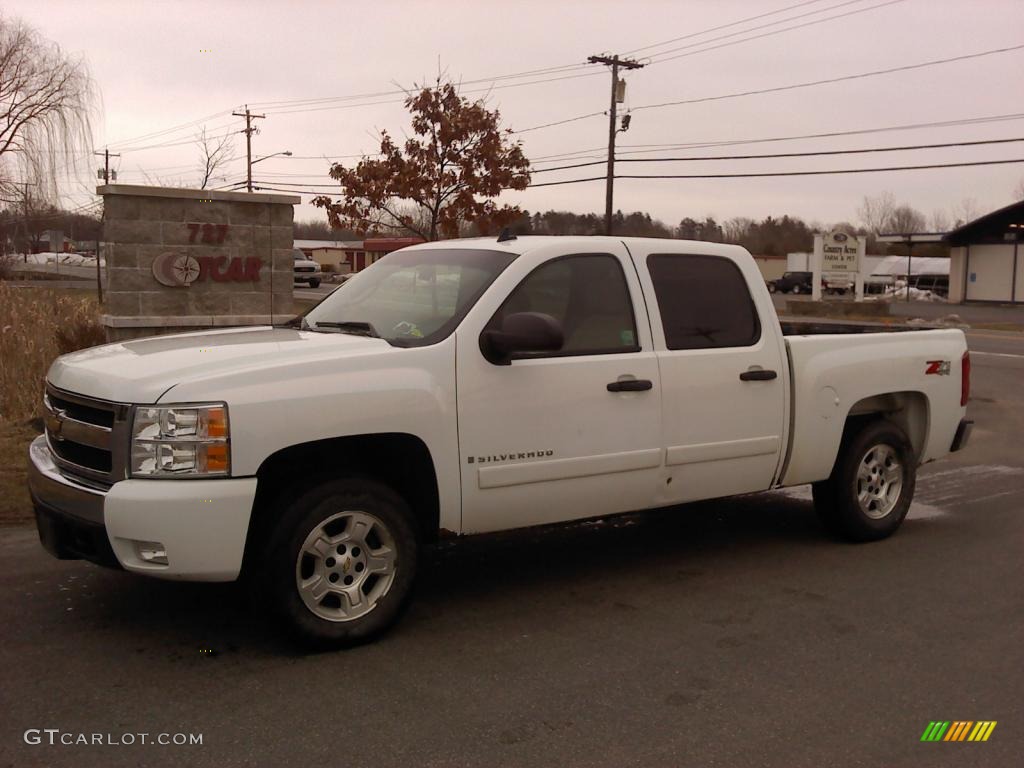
(353, 327)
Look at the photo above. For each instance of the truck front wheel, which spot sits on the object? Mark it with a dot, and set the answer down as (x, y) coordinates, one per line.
(341, 562)
(871, 486)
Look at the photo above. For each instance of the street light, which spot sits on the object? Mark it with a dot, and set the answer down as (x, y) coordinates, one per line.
(248, 174)
(286, 153)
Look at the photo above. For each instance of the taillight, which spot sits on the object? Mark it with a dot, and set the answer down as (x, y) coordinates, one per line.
(965, 378)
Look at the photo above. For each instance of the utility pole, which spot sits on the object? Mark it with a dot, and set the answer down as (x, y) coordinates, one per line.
(249, 130)
(106, 165)
(106, 180)
(615, 63)
(25, 207)
(27, 239)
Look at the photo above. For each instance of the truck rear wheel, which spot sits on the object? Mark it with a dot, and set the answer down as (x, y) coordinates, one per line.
(341, 562)
(871, 486)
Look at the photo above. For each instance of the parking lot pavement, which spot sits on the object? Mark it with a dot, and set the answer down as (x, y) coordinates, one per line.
(729, 633)
(307, 294)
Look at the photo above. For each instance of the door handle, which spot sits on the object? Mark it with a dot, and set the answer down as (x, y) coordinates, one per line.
(630, 385)
(758, 375)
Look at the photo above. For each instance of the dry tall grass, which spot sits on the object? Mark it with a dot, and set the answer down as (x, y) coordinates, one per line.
(37, 325)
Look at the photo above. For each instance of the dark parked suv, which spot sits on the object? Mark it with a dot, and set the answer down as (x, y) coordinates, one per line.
(792, 282)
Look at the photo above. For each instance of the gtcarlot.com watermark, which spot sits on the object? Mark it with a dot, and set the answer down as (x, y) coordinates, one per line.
(56, 737)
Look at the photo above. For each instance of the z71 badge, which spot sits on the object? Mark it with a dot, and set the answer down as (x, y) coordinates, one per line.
(937, 367)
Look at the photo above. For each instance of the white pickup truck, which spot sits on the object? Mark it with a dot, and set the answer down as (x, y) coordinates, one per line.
(471, 386)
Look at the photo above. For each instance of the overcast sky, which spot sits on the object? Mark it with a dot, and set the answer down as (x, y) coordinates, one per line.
(161, 64)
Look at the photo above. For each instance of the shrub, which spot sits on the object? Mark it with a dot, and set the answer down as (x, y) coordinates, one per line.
(6, 259)
(37, 325)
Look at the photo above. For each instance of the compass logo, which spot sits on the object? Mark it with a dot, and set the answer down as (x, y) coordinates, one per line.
(176, 270)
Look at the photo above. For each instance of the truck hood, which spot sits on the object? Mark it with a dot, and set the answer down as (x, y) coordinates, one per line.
(143, 370)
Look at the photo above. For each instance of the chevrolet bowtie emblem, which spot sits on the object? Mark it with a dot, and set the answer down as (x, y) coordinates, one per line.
(56, 424)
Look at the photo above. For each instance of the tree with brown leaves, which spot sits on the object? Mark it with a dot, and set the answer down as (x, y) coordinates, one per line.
(447, 174)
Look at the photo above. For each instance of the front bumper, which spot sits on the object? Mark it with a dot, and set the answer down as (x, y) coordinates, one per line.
(201, 524)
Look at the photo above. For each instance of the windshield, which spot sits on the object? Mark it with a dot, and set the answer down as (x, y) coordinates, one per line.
(411, 297)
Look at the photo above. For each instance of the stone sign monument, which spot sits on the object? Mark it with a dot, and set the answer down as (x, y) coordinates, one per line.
(839, 259)
(190, 259)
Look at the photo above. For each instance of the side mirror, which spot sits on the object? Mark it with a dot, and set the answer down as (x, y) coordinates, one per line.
(521, 332)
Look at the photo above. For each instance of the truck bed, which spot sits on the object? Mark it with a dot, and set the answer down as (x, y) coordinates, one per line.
(816, 328)
(839, 369)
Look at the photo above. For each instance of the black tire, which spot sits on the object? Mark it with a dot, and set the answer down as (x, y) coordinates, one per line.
(314, 283)
(836, 499)
(796, 289)
(277, 580)
(772, 288)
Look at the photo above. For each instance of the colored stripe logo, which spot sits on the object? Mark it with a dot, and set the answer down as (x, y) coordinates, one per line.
(958, 730)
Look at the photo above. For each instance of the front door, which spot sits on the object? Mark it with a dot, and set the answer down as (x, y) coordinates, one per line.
(558, 436)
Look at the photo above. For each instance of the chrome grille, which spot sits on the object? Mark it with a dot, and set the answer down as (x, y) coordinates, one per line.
(87, 437)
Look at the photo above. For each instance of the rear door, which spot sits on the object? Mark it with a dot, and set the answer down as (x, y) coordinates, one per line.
(556, 436)
(723, 383)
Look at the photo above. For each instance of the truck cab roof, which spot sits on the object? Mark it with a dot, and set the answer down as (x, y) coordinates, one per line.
(524, 243)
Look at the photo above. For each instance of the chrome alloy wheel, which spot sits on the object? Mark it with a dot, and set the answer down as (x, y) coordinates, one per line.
(345, 566)
(879, 481)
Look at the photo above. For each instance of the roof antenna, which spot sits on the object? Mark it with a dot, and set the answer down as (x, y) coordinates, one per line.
(506, 235)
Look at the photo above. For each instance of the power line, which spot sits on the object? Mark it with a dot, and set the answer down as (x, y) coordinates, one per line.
(561, 69)
(793, 86)
(656, 60)
(698, 158)
(402, 101)
(559, 122)
(272, 105)
(785, 173)
(820, 153)
(165, 131)
(723, 26)
(527, 73)
(828, 81)
(832, 134)
(181, 143)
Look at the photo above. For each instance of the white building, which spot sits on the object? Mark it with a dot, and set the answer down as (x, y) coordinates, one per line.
(986, 260)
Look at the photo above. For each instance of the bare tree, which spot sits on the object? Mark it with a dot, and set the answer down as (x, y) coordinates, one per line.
(905, 220)
(964, 211)
(875, 212)
(736, 228)
(46, 98)
(843, 226)
(939, 221)
(215, 153)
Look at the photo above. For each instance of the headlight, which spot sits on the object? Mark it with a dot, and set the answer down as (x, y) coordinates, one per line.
(180, 441)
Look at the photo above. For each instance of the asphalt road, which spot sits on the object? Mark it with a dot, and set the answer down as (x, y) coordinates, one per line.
(731, 633)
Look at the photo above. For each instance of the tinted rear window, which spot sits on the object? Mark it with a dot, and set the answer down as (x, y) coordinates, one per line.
(704, 302)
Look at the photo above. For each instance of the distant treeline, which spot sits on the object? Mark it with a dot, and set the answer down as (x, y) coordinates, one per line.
(771, 236)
